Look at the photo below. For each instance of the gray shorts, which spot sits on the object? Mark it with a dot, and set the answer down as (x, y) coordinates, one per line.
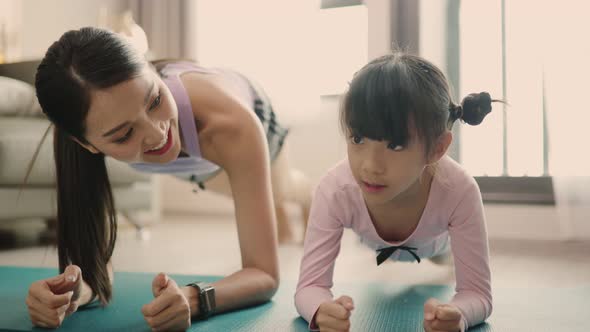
(275, 132)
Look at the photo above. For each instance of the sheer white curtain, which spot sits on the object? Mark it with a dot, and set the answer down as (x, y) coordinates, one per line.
(565, 26)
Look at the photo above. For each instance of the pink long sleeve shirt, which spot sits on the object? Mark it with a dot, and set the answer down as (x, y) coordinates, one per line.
(453, 212)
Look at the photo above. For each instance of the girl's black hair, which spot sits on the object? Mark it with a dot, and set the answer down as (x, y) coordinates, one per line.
(80, 61)
(397, 89)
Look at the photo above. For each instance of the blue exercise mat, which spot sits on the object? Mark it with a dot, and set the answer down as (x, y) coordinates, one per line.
(378, 307)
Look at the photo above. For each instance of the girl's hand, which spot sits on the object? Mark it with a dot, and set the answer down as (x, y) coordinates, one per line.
(441, 317)
(51, 300)
(169, 311)
(335, 315)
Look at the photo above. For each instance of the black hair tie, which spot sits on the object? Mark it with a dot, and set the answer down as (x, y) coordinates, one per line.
(385, 253)
(475, 107)
(456, 112)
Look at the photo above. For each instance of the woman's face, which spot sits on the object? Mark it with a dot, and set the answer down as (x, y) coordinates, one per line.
(134, 121)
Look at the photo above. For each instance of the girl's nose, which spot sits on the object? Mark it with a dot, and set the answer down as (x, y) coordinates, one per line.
(373, 162)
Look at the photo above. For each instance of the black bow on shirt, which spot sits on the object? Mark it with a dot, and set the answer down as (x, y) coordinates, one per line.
(384, 253)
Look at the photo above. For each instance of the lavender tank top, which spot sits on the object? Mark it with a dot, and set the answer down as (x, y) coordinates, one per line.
(194, 167)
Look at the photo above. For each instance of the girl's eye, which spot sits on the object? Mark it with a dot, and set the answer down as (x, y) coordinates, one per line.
(356, 139)
(156, 102)
(124, 138)
(395, 147)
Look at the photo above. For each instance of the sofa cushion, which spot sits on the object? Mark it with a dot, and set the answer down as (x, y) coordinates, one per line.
(18, 98)
(40, 202)
(19, 137)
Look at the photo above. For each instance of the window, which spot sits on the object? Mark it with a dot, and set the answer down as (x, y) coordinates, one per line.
(534, 55)
(509, 65)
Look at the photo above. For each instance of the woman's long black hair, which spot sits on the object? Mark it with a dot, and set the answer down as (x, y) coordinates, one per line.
(80, 61)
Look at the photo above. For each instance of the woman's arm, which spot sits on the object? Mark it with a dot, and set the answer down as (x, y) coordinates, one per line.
(232, 137)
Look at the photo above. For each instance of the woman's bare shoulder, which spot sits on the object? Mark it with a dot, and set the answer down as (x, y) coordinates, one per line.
(219, 114)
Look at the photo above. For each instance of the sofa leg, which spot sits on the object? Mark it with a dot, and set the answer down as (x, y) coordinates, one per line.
(141, 232)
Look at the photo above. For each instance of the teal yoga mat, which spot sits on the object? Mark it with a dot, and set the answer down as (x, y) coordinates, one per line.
(379, 307)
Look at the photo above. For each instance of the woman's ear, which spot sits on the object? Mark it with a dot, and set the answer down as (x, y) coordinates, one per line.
(441, 147)
(88, 146)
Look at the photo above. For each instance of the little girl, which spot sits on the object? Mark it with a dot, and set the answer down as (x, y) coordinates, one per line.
(399, 192)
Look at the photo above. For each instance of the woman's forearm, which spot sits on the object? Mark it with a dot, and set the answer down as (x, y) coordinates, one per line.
(247, 287)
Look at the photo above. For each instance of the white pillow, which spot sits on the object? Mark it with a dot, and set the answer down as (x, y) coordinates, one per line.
(18, 98)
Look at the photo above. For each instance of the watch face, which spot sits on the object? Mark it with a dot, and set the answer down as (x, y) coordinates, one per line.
(206, 298)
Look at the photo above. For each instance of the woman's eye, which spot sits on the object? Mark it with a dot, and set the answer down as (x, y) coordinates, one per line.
(124, 138)
(395, 147)
(356, 139)
(156, 102)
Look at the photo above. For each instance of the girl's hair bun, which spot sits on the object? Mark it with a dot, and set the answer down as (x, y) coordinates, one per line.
(474, 108)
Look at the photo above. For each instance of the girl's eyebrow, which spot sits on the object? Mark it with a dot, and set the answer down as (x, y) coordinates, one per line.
(124, 124)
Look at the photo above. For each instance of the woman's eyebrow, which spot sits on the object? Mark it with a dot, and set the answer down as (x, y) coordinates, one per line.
(116, 129)
(148, 94)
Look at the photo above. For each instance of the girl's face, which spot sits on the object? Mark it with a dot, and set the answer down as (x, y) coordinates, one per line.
(134, 121)
(384, 172)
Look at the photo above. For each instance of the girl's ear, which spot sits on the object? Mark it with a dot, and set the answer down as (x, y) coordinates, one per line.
(88, 146)
(441, 147)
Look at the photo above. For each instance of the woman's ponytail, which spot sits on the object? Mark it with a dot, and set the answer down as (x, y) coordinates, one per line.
(86, 217)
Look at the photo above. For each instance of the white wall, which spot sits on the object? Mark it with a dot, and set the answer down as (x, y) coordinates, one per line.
(379, 28)
(43, 22)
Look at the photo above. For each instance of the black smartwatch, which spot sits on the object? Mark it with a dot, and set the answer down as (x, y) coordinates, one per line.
(206, 299)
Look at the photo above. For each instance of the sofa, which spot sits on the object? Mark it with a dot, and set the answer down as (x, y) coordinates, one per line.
(22, 125)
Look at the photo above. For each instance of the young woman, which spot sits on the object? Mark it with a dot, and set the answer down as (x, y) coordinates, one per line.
(210, 126)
